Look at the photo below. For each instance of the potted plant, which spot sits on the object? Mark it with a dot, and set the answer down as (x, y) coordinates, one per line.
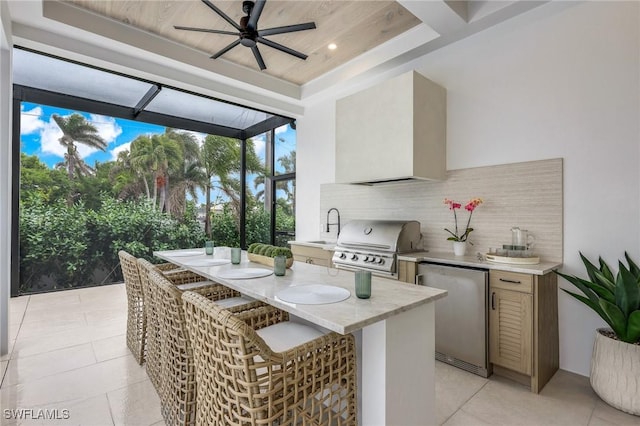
(615, 361)
(265, 253)
(460, 238)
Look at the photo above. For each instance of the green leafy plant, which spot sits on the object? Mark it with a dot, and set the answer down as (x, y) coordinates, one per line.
(615, 298)
(282, 251)
(252, 247)
(269, 250)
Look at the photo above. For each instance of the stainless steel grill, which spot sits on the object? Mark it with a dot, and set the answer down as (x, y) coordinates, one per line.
(374, 244)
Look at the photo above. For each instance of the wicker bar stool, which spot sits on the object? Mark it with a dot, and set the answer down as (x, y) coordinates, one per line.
(136, 322)
(183, 280)
(175, 380)
(136, 318)
(258, 368)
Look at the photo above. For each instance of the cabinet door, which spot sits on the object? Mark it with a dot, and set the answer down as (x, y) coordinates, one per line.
(510, 330)
(407, 271)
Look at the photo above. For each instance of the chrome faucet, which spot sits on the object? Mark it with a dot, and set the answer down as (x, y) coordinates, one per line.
(335, 223)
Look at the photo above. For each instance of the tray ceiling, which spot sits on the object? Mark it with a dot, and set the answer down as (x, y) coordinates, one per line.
(354, 26)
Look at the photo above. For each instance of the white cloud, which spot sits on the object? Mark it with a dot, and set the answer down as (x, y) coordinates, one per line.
(30, 121)
(49, 139)
(281, 129)
(259, 143)
(118, 149)
(50, 135)
(107, 127)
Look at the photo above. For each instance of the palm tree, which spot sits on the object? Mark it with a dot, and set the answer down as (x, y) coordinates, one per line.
(188, 178)
(220, 158)
(76, 129)
(158, 154)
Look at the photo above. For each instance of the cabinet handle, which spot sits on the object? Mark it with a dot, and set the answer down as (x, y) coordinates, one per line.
(504, 280)
(493, 301)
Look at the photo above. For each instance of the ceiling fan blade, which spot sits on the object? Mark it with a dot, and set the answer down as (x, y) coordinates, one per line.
(281, 48)
(204, 30)
(258, 56)
(255, 14)
(287, 29)
(222, 14)
(226, 49)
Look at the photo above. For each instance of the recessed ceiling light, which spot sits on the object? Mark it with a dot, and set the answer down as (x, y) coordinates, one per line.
(332, 46)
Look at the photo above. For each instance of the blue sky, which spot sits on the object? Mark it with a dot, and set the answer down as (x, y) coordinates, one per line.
(39, 135)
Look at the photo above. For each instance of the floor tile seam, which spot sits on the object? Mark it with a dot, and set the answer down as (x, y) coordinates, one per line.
(4, 372)
(461, 407)
(49, 375)
(86, 327)
(13, 347)
(113, 419)
(52, 350)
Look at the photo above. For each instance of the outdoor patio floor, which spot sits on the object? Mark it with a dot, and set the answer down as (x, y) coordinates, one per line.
(68, 352)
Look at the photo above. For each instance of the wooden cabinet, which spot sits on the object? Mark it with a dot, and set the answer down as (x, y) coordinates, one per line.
(407, 271)
(523, 327)
(313, 255)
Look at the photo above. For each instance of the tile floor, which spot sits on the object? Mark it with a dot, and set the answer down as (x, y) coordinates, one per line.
(69, 353)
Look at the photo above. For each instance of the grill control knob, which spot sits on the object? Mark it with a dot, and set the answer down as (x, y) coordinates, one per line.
(354, 257)
(367, 259)
(381, 261)
(343, 256)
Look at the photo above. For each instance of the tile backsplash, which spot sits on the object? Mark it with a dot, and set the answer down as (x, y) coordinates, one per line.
(528, 195)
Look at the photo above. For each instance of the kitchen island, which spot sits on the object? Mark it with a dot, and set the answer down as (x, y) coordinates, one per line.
(396, 377)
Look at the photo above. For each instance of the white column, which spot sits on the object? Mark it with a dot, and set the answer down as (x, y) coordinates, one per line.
(398, 369)
(6, 106)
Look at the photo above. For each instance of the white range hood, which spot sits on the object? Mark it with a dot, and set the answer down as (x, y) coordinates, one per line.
(392, 132)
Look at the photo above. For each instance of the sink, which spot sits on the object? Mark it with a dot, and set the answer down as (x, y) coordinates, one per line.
(323, 244)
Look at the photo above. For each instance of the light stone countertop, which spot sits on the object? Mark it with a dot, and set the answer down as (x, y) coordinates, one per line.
(473, 261)
(388, 297)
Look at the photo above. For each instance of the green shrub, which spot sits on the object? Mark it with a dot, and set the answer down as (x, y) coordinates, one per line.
(282, 251)
(256, 247)
(65, 246)
(269, 251)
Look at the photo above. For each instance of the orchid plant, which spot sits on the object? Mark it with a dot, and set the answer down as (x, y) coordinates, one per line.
(470, 207)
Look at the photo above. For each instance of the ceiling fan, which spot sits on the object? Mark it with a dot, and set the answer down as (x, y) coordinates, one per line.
(248, 33)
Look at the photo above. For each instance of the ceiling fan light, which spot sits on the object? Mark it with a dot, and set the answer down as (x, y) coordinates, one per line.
(332, 46)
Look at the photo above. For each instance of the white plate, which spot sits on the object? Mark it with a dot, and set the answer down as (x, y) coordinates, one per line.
(314, 294)
(186, 253)
(244, 273)
(206, 262)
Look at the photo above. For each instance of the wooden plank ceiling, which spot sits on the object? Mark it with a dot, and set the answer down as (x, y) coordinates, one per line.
(354, 26)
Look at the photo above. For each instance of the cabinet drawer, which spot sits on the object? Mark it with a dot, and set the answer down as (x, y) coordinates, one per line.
(511, 281)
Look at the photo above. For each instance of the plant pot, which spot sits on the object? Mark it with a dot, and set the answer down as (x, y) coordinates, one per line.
(265, 260)
(459, 248)
(615, 372)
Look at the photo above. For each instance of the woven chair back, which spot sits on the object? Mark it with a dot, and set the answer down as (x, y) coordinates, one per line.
(136, 321)
(241, 380)
(153, 347)
(177, 371)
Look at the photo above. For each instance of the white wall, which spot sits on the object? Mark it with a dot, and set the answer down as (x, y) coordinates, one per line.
(5, 175)
(562, 80)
